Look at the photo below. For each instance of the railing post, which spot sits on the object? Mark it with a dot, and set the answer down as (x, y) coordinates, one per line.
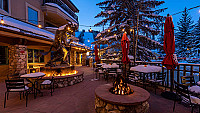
(172, 79)
(167, 78)
(178, 74)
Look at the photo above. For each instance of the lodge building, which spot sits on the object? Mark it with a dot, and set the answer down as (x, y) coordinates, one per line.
(28, 28)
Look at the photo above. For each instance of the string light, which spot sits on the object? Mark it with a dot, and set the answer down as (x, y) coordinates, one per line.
(131, 30)
(146, 25)
(68, 28)
(40, 26)
(108, 30)
(114, 34)
(2, 21)
(90, 30)
(123, 30)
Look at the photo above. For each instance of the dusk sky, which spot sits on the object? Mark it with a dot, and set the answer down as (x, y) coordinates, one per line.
(88, 10)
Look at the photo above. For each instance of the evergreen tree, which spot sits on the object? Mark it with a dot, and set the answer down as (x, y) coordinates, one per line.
(134, 17)
(196, 41)
(184, 35)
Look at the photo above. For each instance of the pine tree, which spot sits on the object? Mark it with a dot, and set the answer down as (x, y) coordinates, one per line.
(184, 35)
(196, 42)
(127, 16)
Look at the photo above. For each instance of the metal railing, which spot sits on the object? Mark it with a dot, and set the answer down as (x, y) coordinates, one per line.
(62, 5)
(183, 69)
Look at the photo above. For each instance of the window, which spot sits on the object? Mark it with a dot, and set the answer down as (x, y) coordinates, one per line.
(35, 56)
(32, 16)
(4, 5)
(3, 55)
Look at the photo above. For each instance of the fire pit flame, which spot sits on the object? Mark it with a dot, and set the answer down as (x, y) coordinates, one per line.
(61, 74)
(120, 87)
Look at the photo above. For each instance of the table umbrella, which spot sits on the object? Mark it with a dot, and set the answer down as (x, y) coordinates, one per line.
(125, 48)
(169, 44)
(96, 53)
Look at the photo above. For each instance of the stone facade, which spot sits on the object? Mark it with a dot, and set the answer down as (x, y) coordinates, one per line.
(17, 59)
(102, 106)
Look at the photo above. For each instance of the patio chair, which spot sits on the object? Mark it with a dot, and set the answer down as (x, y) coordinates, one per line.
(160, 78)
(188, 80)
(16, 86)
(48, 82)
(133, 77)
(111, 72)
(183, 93)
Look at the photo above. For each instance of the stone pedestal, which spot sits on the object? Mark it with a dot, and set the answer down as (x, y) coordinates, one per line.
(17, 59)
(106, 102)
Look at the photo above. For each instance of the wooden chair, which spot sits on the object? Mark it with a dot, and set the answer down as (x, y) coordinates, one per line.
(48, 82)
(111, 72)
(188, 80)
(16, 86)
(183, 93)
(133, 77)
(160, 78)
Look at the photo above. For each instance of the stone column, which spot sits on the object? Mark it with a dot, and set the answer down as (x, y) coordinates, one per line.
(84, 59)
(17, 59)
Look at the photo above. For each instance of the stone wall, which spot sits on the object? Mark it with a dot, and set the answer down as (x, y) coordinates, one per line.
(17, 59)
(102, 106)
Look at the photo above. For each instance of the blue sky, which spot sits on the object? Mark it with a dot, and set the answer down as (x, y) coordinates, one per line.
(88, 10)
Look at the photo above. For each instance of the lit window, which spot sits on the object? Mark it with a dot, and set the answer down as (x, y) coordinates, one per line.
(32, 16)
(34, 56)
(4, 5)
(3, 55)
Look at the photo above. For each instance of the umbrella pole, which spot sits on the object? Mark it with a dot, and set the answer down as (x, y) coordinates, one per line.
(172, 79)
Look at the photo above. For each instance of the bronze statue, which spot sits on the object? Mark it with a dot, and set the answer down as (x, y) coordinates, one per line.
(60, 43)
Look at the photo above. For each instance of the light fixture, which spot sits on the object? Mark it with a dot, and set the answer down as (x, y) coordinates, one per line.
(2, 21)
(90, 30)
(88, 40)
(68, 28)
(108, 30)
(146, 25)
(40, 26)
(114, 34)
(199, 10)
(131, 30)
(123, 30)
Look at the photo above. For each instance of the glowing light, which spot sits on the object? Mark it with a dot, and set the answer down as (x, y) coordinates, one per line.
(131, 30)
(146, 25)
(68, 28)
(199, 10)
(88, 53)
(90, 30)
(40, 26)
(114, 34)
(88, 40)
(2, 21)
(108, 30)
(188, 49)
(123, 30)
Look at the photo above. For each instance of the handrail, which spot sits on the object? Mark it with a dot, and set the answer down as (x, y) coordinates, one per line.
(62, 5)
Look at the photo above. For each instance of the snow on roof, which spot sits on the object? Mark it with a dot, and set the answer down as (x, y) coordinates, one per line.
(80, 44)
(17, 25)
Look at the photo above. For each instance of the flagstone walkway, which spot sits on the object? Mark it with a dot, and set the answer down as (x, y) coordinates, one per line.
(78, 98)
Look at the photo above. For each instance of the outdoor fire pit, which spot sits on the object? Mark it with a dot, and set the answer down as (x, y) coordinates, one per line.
(63, 75)
(105, 101)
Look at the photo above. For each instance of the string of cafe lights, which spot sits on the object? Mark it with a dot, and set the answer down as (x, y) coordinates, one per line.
(40, 26)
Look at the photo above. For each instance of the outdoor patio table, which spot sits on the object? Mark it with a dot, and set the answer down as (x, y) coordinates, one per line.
(146, 69)
(34, 76)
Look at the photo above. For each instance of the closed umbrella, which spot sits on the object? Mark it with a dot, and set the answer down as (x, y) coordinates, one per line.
(169, 47)
(169, 44)
(125, 48)
(96, 53)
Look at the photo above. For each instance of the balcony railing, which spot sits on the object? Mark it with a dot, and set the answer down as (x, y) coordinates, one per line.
(64, 6)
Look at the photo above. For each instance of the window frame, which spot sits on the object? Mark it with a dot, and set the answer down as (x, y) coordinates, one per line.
(6, 54)
(34, 8)
(1, 8)
(33, 54)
